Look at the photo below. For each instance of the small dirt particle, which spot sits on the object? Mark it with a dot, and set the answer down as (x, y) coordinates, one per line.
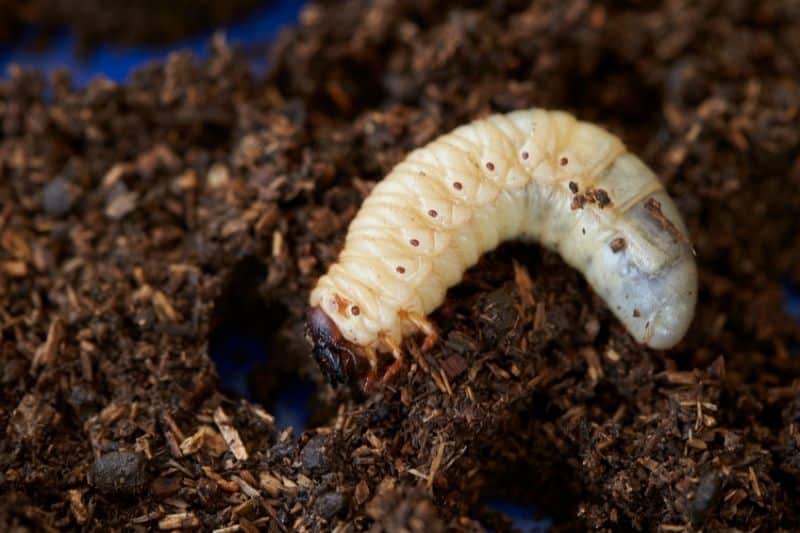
(329, 505)
(282, 450)
(705, 495)
(314, 456)
(14, 369)
(33, 418)
(121, 473)
(207, 489)
(121, 204)
(57, 197)
(498, 314)
(454, 365)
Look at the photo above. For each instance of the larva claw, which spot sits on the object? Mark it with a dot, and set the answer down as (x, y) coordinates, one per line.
(398, 364)
(430, 341)
(393, 370)
(369, 382)
(426, 327)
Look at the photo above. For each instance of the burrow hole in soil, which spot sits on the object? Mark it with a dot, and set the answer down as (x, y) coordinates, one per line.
(251, 358)
(534, 490)
(525, 478)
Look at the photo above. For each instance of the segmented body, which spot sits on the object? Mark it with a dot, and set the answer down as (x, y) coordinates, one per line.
(513, 176)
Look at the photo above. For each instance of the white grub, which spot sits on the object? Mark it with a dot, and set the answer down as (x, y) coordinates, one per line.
(513, 176)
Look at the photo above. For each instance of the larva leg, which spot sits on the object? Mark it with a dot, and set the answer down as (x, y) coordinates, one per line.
(372, 356)
(397, 353)
(371, 378)
(426, 327)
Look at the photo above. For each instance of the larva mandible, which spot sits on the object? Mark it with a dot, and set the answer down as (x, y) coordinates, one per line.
(534, 174)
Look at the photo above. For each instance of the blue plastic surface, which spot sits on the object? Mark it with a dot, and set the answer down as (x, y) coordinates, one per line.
(520, 516)
(792, 301)
(116, 63)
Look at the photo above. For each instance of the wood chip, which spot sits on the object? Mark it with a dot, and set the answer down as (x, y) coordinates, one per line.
(361, 493)
(524, 284)
(754, 482)
(179, 521)
(270, 484)
(229, 486)
(164, 308)
(204, 438)
(246, 487)
(454, 365)
(121, 205)
(47, 352)
(14, 268)
(77, 507)
(435, 464)
(230, 434)
(595, 369)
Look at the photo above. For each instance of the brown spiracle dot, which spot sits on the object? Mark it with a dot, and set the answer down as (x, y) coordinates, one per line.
(432, 213)
(400, 269)
(490, 165)
(414, 242)
(573, 187)
(617, 244)
(457, 185)
(564, 161)
(355, 310)
(525, 155)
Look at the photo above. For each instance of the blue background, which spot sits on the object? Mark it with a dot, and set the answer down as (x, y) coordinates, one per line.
(116, 63)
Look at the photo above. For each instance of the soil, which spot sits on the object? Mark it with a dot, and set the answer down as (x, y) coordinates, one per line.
(137, 218)
(118, 21)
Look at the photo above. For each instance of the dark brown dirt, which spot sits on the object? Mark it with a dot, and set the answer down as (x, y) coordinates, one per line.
(130, 212)
(119, 21)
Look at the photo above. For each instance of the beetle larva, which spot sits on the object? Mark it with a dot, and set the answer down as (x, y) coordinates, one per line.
(536, 175)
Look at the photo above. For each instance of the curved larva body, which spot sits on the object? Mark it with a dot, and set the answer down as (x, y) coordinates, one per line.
(507, 177)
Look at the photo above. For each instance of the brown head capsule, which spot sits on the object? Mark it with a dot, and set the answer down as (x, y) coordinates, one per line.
(340, 360)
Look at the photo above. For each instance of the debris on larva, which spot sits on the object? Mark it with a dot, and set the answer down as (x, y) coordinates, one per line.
(437, 212)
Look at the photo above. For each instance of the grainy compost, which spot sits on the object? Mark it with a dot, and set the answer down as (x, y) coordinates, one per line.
(137, 219)
(117, 21)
